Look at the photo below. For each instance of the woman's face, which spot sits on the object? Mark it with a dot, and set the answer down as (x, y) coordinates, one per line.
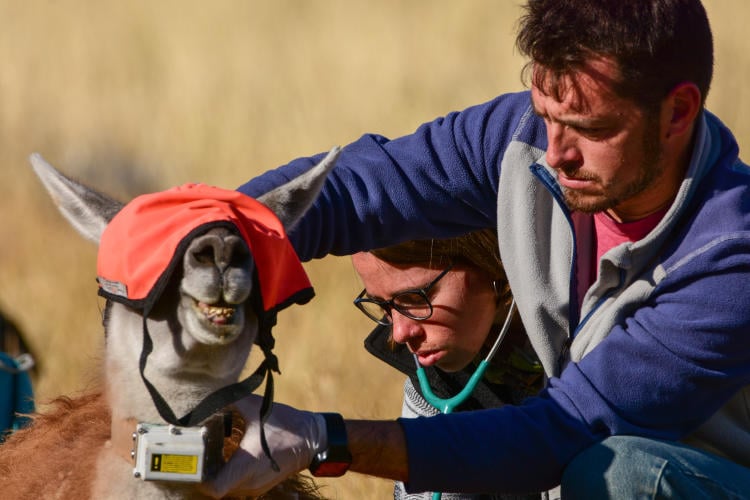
(463, 301)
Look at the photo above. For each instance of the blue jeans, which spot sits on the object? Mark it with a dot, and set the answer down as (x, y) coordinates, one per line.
(625, 467)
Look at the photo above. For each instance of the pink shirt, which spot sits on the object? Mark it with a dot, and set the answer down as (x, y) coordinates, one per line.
(608, 233)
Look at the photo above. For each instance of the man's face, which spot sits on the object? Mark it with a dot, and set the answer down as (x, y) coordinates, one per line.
(606, 150)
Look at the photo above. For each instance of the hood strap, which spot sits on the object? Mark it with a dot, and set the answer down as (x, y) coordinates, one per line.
(220, 398)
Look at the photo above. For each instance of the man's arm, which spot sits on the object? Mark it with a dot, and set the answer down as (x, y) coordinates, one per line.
(294, 436)
(439, 181)
(378, 448)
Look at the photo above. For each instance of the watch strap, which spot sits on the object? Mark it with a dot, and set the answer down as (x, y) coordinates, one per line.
(335, 460)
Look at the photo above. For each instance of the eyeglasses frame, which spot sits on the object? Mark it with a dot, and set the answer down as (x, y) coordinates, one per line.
(389, 305)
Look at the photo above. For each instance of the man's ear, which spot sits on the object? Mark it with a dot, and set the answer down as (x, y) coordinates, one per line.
(681, 106)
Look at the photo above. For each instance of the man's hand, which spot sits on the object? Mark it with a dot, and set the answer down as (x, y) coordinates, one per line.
(294, 437)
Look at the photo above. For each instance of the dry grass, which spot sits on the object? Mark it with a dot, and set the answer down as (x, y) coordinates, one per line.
(140, 95)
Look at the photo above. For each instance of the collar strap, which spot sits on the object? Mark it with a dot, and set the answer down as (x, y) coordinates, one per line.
(223, 397)
(123, 438)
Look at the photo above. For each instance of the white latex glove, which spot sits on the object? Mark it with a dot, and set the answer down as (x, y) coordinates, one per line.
(294, 437)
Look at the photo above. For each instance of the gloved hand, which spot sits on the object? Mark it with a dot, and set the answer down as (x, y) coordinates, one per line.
(294, 438)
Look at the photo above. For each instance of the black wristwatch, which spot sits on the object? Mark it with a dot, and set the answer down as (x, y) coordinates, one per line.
(335, 460)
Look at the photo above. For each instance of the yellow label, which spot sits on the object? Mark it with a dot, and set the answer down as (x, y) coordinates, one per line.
(177, 464)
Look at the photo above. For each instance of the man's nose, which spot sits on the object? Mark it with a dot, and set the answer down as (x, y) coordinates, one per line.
(562, 149)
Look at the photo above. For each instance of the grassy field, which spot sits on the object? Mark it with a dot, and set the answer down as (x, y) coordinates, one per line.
(139, 96)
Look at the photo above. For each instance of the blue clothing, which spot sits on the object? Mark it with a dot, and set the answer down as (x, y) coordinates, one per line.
(659, 346)
(16, 396)
(636, 467)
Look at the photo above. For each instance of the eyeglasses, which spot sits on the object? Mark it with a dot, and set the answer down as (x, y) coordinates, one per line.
(414, 304)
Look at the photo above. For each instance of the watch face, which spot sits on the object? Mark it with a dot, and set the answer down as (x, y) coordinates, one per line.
(329, 469)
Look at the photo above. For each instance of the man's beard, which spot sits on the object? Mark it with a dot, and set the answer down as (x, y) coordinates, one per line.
(649, 170)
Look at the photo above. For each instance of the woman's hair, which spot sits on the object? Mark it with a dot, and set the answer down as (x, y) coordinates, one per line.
(478, 249)
(656, 43)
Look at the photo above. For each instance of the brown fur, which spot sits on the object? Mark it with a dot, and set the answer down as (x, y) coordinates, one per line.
(65, 441)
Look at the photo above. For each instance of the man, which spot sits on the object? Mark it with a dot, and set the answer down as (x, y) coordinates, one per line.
(623, 216)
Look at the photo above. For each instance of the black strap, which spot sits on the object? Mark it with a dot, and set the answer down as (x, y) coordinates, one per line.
(218, 399)
(265, 408)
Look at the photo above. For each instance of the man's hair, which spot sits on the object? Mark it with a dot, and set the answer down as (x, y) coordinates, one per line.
(656, 44)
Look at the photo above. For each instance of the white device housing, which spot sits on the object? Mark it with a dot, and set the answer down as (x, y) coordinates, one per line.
(170, 453)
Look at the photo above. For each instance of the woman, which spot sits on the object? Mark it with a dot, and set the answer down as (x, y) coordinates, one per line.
(443, 303)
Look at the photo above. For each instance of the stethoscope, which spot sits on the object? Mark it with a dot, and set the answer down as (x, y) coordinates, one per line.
(447, 405)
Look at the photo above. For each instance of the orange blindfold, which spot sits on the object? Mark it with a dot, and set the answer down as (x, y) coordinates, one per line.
(144, 242)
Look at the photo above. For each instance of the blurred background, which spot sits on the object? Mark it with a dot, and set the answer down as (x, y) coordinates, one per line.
(140, 96)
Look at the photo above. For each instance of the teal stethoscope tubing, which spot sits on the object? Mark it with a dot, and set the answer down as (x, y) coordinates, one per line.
(447, 405)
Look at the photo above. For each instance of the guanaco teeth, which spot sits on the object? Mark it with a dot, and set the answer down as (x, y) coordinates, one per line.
(216, 312)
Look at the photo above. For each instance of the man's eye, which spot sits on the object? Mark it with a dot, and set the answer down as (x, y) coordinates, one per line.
(593, 132)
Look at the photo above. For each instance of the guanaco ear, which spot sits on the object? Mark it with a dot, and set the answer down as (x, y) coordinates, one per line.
(291, 200)
(683, 103)
(87, 210)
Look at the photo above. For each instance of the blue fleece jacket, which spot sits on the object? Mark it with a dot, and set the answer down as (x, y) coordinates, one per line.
(659, 345)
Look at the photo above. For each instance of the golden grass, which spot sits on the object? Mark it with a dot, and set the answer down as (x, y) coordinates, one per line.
(142, 95)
